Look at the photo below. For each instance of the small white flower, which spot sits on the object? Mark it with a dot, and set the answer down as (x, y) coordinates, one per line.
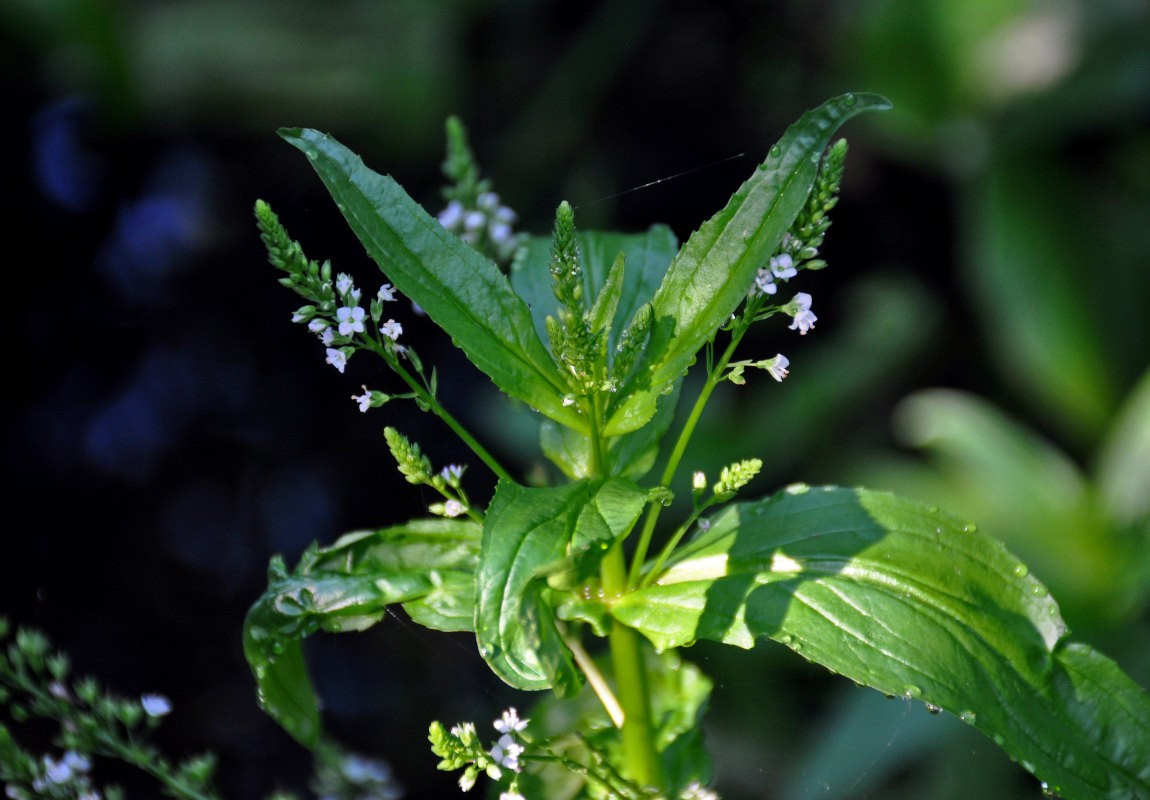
(76, 762)
(511, 796)
(464, 732)
(696, 791)
(156, 705)
(453, 508)
(343, 283)
(452, 473)
(350, 320)
(354, 296)
(506, 752)
(778, 367)
(57, 689)
(783, 266)
(804, 321)
(337, 358)
(704, 525)
(509, 722)
(505, 214)
(500, 233)
(568, 400)
(765, 283)
(391, 329)
(317, 325)
(450, 216)
(361, 770)
(488, 201)
(386, 293)
(699, 481)
(364, 399)
(327, 337)
(56, 772)
(474, 220)
(804, 318)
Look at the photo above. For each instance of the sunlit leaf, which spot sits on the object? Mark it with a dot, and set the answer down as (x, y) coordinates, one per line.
(461, 290)
(901, 597)
(427, 565)
(711, 274)
(526, 533)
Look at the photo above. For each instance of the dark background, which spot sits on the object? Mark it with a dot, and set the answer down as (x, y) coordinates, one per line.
(167, 429)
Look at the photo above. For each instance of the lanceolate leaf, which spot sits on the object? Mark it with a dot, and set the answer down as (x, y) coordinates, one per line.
(461, 290)
(900, 597)
(427, 565)
(528, 534)
(712, 273)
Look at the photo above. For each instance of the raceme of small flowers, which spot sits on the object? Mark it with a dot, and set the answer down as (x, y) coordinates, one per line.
(488, 222)
(460, 748)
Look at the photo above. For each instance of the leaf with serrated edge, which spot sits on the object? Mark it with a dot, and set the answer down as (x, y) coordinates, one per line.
(461, 290)
(898, 596)
(712, 273)
(526, 531)
(427, 565)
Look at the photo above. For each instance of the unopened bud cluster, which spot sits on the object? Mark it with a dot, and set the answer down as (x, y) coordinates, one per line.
(333, 311)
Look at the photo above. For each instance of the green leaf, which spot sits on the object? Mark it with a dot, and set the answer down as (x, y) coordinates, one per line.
(712, 273)
(903, 598)
(601, 317)
(461, 290)
(647, 256)
(527, 535)
(427, 565)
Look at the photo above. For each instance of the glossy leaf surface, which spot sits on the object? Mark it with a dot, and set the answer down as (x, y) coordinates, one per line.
(461, 290)
(426, 565)
(711, 274)
(898, 596)
(527, 535)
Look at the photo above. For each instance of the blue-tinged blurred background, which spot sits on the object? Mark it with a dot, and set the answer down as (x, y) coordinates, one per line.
(983, 338)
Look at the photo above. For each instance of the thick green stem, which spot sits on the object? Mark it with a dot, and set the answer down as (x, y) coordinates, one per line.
(713, 379)
(640, 758)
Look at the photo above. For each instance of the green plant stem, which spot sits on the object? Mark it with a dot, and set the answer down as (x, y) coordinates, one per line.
(714, 377)
(631, 683)
(441, 412)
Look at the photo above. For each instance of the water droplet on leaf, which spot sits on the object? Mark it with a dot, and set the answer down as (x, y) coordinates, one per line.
(1038, 590)
(849, 99)
(967, 717)
(1021, 570)
(776, 151)
(910, 690)
(933, 709)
